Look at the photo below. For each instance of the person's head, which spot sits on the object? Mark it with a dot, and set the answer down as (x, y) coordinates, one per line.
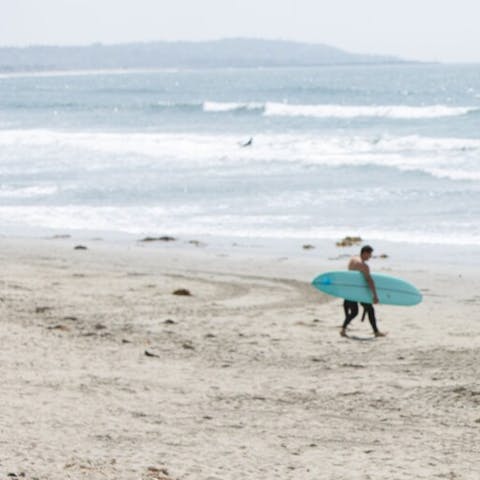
(366, 252)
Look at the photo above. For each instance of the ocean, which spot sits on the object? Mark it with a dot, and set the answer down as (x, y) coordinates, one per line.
(388, 153)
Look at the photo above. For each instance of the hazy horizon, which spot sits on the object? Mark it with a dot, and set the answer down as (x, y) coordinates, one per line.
(222, 53)
(422, 31)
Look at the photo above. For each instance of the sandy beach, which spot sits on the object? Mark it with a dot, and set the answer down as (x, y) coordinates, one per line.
(106, 374)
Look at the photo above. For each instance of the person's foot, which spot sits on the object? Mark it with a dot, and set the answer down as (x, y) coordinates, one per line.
(380, 334)
(343, 332)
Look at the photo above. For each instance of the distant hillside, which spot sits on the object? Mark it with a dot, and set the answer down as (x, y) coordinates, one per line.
(220, 53)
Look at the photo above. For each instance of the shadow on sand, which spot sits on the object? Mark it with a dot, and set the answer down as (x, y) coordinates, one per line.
(360, 339)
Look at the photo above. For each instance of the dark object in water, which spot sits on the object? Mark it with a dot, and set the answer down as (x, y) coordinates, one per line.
(80, 247)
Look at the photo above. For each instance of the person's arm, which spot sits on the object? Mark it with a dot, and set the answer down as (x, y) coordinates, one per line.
(370, 282)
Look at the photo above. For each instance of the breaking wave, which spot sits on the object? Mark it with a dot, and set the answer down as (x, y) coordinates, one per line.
(276, 109)
(396, 112)
(400, 112)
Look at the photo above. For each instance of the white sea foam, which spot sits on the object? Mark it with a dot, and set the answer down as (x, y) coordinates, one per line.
(151, 220)
(136, 220)
(231, 106)
(36, 151)
(355, 111)
(155, 144)
(399, 112)
(27, 191)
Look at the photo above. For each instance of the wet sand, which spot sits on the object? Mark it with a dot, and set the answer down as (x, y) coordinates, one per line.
(107, 374)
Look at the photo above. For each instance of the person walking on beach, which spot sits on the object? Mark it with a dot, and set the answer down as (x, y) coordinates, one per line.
(351, 308)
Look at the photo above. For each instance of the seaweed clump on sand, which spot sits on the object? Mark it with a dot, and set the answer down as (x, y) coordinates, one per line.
(165, 238)
(183, 292)
(349, 241)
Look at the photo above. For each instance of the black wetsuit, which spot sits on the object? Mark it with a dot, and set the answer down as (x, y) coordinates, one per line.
(351, 311)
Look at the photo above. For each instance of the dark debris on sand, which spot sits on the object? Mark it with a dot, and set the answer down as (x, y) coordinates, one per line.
(43, 309)
(150, 354)
(154, 473)
(349, 241)
(182, 292)
(164, 238)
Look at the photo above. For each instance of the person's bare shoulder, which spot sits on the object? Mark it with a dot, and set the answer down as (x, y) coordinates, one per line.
(356, 263)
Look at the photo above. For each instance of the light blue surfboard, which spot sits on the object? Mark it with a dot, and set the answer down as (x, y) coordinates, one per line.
(351, 285)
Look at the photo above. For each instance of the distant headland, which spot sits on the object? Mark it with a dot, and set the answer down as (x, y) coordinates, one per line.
(234, 53)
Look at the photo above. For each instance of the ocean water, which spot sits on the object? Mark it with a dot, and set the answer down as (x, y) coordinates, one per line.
(384, 152)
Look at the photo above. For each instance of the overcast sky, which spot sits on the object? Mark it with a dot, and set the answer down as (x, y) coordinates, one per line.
(444, 30)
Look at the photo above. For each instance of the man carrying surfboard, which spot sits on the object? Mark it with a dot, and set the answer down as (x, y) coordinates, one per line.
(351, 308)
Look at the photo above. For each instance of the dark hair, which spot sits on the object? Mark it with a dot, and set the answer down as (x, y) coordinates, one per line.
(366, 249)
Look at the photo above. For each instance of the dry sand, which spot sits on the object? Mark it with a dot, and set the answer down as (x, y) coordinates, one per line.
(106, 374)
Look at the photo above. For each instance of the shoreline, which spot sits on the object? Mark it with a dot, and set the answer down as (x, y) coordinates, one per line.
(323, 251)
(108, 374)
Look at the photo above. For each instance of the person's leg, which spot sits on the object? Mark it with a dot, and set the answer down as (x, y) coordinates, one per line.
(351, 311)
(371, 317)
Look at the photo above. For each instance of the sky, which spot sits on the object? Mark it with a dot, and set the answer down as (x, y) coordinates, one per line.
(427, 30)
